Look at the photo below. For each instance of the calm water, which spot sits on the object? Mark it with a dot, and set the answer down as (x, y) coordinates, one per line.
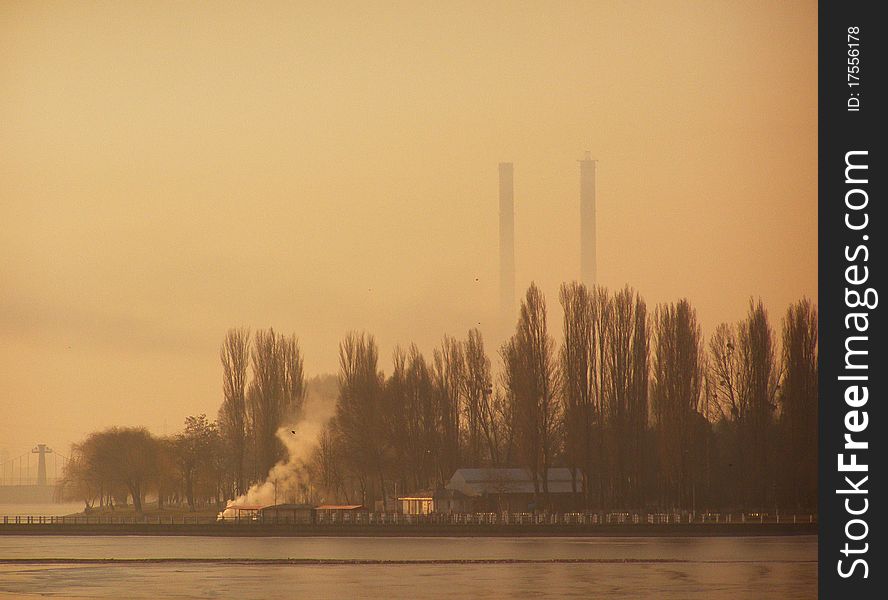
(749, 567)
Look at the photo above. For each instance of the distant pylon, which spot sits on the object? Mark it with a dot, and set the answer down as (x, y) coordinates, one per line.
(42, 450)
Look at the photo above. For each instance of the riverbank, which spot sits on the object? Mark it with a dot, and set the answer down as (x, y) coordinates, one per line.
(424, 530)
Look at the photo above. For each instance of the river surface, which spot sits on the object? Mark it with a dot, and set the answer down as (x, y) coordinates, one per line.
(636, 567)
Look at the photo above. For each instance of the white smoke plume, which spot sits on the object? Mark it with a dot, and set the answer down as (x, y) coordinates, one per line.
(287, 479)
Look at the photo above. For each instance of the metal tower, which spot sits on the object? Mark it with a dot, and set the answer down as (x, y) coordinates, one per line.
(42, 450)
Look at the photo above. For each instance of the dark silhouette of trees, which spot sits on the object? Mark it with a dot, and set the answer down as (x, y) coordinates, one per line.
(235, 356)
(742, 384)
(275, 394)
(167, 484)
(676, 397)
(531, 382)
(196, 451)
(328, 466)
(115, 463)
(629, 402)
(604, 373)
(422, 421)
(798, 399)
(482, 428)
(448, 378)
(359, 419)
(723, 406)
(759, 383)
(580, 385)
(128, 462)
(81, 480)
(625, 388)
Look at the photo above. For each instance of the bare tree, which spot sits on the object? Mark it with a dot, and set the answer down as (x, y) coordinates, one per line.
(531, 379)
(723, 401)
(448, 378)
(235, 356)
(359, 419)
(504, 423)
(799, 397)
(79, 482)
(195, 452)
(293, 377)
(481, 426)
(676, 387)
(396, 417)
(579, 383)
(625, 377)
(723, 406)
(759, 384)
(327, 467)
(167, 482)
(120, 461)
(423, 436)
(265, 397)
(275, 395)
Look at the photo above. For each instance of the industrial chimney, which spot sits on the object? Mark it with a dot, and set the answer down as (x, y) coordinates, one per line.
(507, 240)
(588, 266)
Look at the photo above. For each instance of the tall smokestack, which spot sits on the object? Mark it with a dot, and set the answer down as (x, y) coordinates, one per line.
(588, 259)
(507, 239)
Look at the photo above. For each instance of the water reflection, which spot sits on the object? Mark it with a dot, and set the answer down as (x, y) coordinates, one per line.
(752, 567)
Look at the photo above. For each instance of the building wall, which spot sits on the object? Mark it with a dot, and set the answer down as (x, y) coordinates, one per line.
(417, 506)
(288, 516)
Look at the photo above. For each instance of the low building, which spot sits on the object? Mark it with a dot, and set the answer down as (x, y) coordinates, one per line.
(417, 503)
(514, 490)
(287, 513)
(426, 502)
(339, 513)
(240, 512)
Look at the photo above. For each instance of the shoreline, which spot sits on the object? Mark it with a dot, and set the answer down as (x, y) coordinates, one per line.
(254, 530)
(374, 562)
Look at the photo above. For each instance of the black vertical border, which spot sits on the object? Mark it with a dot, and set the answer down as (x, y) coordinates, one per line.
(841, 131)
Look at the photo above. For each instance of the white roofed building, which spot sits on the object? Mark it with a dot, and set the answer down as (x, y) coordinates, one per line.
(513, 489)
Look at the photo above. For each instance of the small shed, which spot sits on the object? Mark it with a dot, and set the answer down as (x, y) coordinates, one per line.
(287, 513)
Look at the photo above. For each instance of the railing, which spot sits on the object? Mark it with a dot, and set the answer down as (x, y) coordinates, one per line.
(364, 518)
(109, 520)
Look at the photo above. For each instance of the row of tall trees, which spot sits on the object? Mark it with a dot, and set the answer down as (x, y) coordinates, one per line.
(643, 412)
(411, 429)
(263, 387)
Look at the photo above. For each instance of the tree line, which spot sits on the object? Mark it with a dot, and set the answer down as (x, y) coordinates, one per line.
(642, 410)
(634, 402)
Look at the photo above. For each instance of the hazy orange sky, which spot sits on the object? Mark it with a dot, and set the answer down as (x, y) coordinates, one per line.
(170, 170)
